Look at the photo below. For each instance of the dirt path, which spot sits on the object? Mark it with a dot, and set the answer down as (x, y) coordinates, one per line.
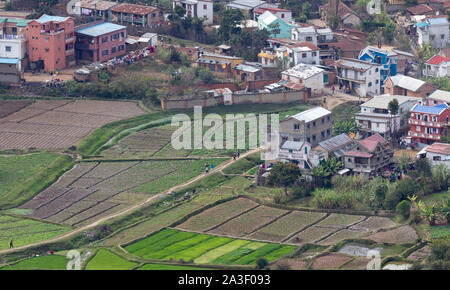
(128, 210)
(338, 98)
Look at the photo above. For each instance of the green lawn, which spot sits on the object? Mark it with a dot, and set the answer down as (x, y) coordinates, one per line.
(106, 260)
(345, 111)
(23, 176)
(54, 262)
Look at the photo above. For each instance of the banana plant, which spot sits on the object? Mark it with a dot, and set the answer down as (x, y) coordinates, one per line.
(429, 213)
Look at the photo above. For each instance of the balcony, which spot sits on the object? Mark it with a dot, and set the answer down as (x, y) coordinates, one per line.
(348, 78)
(291, 156)
(12, 37)
(71, 39)
(86, 46)
(70, 51)
(424, 135)
(424, 123)
(52, 32)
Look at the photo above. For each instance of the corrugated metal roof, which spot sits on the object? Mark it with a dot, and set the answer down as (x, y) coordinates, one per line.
(311, 114)
(336, 142)
(17, 21)
(247, 68)
(100, 29)
(303, 71)
(436, 110)
(382, 101)
(245, 4)
(437, 21)
(292, 145)
(407, 82)
(440, 95)
(47, 18)
(439, 148)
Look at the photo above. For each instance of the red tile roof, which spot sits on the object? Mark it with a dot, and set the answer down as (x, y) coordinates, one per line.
(439, 148)
(420, 9)
(371, 142)
(358, 154)
(437, 60)
(261, 10)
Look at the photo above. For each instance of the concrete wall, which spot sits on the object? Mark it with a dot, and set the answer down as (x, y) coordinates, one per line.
(253, 98)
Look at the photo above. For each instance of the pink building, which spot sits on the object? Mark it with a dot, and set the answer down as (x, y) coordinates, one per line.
(51, 43)
(100, 41)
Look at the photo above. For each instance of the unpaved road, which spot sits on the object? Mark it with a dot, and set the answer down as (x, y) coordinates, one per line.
(125, 211)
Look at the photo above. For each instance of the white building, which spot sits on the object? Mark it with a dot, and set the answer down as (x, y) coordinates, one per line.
(197, 8)
(13, 38)
(434, 31)
(436, 98)
(308, 54)
(307, 75)
(311, 34)
(437, 66)
(375, 116)
(361, 76)
(296, 153)
(437, 153)
(283, 14)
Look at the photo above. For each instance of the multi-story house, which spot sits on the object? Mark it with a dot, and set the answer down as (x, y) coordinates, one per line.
(334, 147)
(369, 155)
(296, 152)
(312, 34)
(360, 76)
(95, 8)
(219, 64)
(387, 59)
(437, 154)
(375, 116)
(289, 52)
(434, 31)
(100, 41)
(137, 15)
(276, 27)
(428, 123)
(309, 76)
(197, 8)
(312, 126)
(283, 14)
(407, 86)
(437, 66)
(13, 39)
(436, 98)
(51, 42)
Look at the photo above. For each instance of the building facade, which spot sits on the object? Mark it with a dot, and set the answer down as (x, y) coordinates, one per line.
(386, 58)
(137, 15)
(437, 67)
(428, 123)
(312, 126)
(359, 76)
(197, 8)
(98, 42)
(51, 43)
(407, 86)
(309, 76)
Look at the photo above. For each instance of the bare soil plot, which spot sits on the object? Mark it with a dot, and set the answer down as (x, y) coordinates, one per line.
(420, 254)
(401, 235)
(342, 235)
(312, 234)
(148, 141)
(340, 221)
(9, 107)
(330, 261)
(287, 225)
(217, 215)
(250, 221)
(359, 263)
(372, 224)
(55, 124)
(292, 264)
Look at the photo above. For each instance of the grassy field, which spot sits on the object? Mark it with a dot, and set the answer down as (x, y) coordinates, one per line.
(154, 266)
(345, 111)
(23, 176)
(26, 231)
(53, 262)
(170, 244)
(106, 260)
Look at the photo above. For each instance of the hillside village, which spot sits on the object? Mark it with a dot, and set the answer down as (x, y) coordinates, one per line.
(87, 93)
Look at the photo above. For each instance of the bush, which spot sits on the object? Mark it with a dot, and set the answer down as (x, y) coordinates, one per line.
(415, 217)
(261, 263)
(403, 209)
(423, 166)
(403, 188)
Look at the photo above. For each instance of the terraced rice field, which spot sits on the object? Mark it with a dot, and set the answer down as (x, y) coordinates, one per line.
(218, 214)
(247, 223)
(95, 189)
(106, 260)
(56, 124)
(25, 231)
(171, 244)
(54, 262)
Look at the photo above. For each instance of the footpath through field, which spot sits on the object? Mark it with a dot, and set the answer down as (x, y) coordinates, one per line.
(128, 210)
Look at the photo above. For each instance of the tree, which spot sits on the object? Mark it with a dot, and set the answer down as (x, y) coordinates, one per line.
(423, 166)
(261, 263)
(325, 170)
(403, 209)
(380, 193)
(345, 126)
(393, 109)
(179, 10)
(284, 175)
(231, 18)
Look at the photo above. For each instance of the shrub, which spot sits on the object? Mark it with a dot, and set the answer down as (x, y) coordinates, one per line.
(403, 209)
(261, 263)
(403, 188)
(415, 217)
(423, 166)
(380, 192)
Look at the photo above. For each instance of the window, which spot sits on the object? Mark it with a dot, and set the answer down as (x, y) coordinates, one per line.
(307, 126)
(296, 127)
(314, 53)
(309, 38)
(370, 84)
(322, 134)
(376, 81)
(328, 132)
(314, 138)
(323, 120)
(121, 47)
(104, 52)
(284, 139)
(282, 15)
(418, 128)
(8, 48)
(328, 118)
(303, 55)
(105, 39)
(436, 158)
(205, 7)
(113, 50)
(419, 117)
(296, 139)
(308, 139)
(442, 36)
(314, 124)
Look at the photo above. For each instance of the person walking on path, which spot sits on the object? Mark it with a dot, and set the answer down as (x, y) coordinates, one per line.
(212, 167)
(234, 155)
(332, 90)
(206, 168)
(238, 153)
(11, 245)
